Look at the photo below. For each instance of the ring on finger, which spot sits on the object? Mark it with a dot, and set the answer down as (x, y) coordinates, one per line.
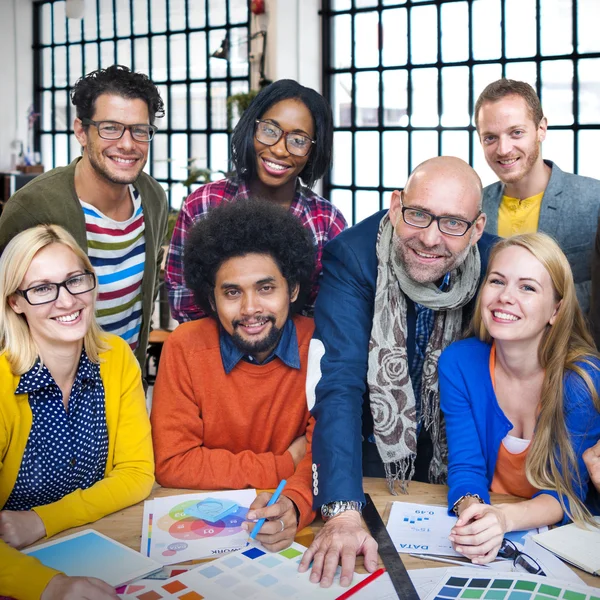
(282, 525)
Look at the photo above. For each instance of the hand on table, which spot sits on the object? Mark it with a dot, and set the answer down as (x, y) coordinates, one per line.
(20, 528)
(279, 530)
(343, 536)
(479, 532)
(62, 587)
(591, 457)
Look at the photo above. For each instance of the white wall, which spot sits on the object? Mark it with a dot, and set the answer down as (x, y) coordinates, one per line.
(16, 74)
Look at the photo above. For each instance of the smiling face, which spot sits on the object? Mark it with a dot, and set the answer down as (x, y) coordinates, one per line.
(518, 300)
(428, 254)
(66, 320)
(118, 161)
(275, 165)
(252, 302)
(510, 139)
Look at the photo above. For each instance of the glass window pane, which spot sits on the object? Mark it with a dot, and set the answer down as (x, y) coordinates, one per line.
(423, 34)
(367, 203)
(367, 99)
(218, 106)
(75, 64)
(198, 151)
(395, 98)
(158, 11)
(159, 58)
(123, 18)
(90, 57)
(90, 21)
(341, 171)
(589, 142)
(455, 97)
(198, 108)
(238, 11)
(60, 112)
(106, 19)
(107, 54)
(47, 154)
(178, 57)
(456, 143)
(60, 66)
(141, 64)
(61, 150)
(160, 155)
(587, 26)
(219, 146)
(558, 146)
(424, 98)
(341, 4)
(343, 200)
(342, 100)
(176, 15)
(238, 52)
(198, 52)
(480, 165)
(486, 31)
(46, 24)
(47, 67)
(366, 155)
(366, 39)
(341, 55)
(395, 159)
(395, 37)
(424, 147)
(60, 23)
(140, 17)
(482, 76)
(46, 118)
(216, 12)
(521, 27)
(178, 110)
(557, 91)
(556, 27)
(217, 66)
(179, 157)
(455, 32)
(522, 71)
(197, 14)
(75, 29)
(124, 53)
(589, 93)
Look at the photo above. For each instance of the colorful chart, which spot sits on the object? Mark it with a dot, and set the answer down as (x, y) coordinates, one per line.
(174, 531)
(509, 587)
(250, 574)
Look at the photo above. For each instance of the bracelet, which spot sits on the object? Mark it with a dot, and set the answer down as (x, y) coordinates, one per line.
(468, 495)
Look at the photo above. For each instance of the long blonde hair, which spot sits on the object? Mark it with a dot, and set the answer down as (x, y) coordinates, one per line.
(563, 345)
(15, 338)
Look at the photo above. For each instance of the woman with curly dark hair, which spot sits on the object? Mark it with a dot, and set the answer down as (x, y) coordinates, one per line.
(229, 408)
(280, 148)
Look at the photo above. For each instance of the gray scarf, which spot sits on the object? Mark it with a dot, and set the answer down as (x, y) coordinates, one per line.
(390, 389)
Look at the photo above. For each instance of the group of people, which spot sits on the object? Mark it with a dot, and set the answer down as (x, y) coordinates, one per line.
(438, 352)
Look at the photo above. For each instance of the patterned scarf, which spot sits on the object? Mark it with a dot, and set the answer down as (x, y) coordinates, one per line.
(390, 389)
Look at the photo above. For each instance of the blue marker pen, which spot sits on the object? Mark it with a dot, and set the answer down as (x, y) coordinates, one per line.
(272, 501)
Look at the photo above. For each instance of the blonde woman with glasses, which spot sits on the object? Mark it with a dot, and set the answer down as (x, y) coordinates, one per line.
(75, 440)
(520, 400)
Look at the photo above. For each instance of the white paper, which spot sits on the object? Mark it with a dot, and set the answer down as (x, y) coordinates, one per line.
(176, 536)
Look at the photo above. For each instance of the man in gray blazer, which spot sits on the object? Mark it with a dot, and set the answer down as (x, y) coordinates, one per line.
(534, 194)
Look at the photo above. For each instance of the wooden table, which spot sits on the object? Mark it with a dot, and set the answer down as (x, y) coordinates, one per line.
(126, 526)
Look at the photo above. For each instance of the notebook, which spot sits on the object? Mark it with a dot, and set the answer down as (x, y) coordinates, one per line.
(91, 554)
(575, 545)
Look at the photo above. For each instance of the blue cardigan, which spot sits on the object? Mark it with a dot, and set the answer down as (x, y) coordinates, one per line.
(343, 322)
(476, 425)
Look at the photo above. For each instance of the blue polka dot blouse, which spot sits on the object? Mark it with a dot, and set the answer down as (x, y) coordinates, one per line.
(66, 450)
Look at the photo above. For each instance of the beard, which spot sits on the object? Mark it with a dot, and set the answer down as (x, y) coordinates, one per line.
(101, 165)
(268, 342)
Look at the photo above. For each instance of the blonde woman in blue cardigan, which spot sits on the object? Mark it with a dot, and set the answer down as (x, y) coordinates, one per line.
(75, 439)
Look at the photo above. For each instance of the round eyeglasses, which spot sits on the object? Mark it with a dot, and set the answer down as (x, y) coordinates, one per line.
(269, 134)
(521, 561)
(48, 292)
(113, 130)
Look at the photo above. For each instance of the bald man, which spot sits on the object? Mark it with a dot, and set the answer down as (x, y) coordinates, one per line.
(396, 290)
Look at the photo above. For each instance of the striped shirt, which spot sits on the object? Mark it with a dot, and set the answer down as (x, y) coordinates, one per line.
(117, 250)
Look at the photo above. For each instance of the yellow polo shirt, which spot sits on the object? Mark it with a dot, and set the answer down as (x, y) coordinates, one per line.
(519, 216)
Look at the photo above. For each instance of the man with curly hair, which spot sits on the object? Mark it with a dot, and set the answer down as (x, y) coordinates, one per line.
(117, 213)
(229, 406)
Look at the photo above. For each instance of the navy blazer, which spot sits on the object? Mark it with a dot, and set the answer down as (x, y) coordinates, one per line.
(569, 213)
(338, 357)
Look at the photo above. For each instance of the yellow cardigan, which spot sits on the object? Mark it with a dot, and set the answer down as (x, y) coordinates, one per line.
(129, 474)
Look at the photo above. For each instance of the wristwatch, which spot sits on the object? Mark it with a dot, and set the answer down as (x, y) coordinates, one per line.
(467, 495)
(332, 509)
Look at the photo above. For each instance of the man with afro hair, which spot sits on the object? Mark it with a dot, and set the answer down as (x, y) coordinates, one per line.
(229, 406)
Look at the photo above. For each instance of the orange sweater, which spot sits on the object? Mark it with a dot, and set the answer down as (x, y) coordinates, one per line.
(217, 431)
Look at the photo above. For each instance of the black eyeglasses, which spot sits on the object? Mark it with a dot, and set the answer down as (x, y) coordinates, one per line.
(521, 561)
(269, 134)
(113, 130)
(48, 292)
(422, 219)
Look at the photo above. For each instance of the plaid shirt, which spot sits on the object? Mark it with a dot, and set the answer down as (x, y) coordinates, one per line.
(318, 215)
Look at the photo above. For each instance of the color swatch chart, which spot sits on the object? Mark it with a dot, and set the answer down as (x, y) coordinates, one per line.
(249, 574)
(509, 587)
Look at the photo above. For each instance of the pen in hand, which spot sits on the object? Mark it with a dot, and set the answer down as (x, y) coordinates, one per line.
(272, 501)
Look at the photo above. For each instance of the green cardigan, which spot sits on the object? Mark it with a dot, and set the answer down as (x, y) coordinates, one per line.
(51, 198)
